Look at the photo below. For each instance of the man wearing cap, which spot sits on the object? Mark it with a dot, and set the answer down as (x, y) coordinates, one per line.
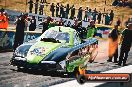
(126, 45)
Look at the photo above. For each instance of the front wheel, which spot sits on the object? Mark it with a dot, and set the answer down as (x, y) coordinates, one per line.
(81, 79)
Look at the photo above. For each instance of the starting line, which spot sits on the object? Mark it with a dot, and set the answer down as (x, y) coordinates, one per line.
(74, 83)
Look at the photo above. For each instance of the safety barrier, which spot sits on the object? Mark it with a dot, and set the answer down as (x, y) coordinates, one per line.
(7, 38)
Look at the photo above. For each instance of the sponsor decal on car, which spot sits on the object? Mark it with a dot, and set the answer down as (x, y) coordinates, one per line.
(38, 51)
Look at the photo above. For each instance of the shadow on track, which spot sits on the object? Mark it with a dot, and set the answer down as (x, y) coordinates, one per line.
(45, 73)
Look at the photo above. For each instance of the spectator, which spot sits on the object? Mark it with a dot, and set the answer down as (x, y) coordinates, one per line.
(99, 17)
(72, 12)
(57, 9)
(89, 14)
(45, 24)
(94, 14)
(67, 10)
(41, 8)
(36, 6)
(118, 22)
(126, 45)
(32, 25)
(52, 9)
(64, 13)
(111, 16)
(86, 16)
(107, 19)
(61, 10)
(113, 44)
(19, 35)
(30, 6)
(79, 16)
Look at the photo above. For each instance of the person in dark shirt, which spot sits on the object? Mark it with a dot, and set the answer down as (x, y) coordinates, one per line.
(64, 12)
(41, 8)
(111, 16)
(67, 10)
(79, 16)
(19, 35)
(86, 16)
(57, 9)
(126, 45)
(45, 25)
(118, 22)
(32, 26)
(107, 19)
(61, 10)
(72, 12)
(99, 17)
(94, 15)
(30, 6)
(36, 6)
(52, 9)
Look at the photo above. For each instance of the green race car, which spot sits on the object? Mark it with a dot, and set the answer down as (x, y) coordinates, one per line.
(57, 49)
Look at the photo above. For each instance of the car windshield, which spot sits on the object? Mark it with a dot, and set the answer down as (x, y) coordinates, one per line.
(61, 36)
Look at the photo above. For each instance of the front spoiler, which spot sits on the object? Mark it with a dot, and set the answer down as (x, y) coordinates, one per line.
(48, 66)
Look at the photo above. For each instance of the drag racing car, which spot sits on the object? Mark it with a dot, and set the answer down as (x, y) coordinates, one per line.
(57, 49)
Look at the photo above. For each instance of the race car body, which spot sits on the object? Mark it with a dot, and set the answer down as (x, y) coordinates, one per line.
(59, 48)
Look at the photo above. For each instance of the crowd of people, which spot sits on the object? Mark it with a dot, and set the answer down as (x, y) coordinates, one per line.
(68, 12)
(37, 5)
